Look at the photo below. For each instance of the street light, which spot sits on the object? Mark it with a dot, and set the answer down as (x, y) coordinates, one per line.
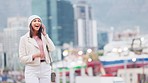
(80, 52)
(89, 60)
(89, 50)
(142, 38)
(134, 60)
(65, 53)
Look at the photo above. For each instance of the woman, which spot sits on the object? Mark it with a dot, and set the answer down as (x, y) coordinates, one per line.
(33, 52)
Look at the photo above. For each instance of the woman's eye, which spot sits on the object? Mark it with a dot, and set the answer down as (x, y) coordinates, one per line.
(39, 20)
(34, 21)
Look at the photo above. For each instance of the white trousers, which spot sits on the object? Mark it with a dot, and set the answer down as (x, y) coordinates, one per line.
(38, 74)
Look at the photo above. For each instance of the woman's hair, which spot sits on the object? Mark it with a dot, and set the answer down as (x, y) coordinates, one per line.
(32, 31)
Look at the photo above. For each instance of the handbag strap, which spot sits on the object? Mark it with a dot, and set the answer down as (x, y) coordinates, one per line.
(49, 57)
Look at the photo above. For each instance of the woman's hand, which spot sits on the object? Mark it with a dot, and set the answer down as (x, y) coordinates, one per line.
(44, 29)
(36, 55)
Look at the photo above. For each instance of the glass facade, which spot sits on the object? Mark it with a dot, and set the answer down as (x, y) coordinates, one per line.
(53, 21)
(46, 9)
(58, 17)
(65, 22)
(102, 39)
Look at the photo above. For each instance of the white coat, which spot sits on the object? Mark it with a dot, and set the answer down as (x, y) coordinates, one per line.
(28, 46)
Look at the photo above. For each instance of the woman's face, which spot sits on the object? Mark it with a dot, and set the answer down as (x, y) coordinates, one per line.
(36, 24)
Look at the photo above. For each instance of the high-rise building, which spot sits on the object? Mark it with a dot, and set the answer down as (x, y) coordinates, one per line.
(65, 22)
(41, 8)
(85, 26)
(47, 10)
(103, 39)
(58, 17)
(17, 26)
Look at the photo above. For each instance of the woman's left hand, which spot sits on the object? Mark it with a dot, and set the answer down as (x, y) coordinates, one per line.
(44, 29)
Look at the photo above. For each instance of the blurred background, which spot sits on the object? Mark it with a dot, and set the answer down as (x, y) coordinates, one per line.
(100, 39)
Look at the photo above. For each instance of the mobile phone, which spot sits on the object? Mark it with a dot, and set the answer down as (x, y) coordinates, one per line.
(41, 28)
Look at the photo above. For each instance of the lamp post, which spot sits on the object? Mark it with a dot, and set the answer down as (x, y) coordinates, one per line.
(134, 60)
(125, 68)
(143, 76)
(125, 64)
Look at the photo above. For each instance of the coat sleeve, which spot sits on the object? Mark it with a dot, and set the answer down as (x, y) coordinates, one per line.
(49, 43)
(23, 57)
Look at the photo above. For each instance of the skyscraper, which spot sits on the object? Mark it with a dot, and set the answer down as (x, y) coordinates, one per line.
(65, 21)
(58, 17)
(16, 27)
(85, 26)
(47, 10)
(103, 39)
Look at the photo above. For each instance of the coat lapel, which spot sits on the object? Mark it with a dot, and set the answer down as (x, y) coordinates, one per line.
(32, 41)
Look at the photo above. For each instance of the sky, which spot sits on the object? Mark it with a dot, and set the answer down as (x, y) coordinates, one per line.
(13, 8)
(120, 14)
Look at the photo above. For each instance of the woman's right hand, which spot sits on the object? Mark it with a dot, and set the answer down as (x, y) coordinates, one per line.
(36, 55)
(44, 30)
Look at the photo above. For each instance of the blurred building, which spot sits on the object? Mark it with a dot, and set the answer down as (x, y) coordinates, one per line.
(134, 75)
(17, 26)
(42, 8)
(11, 8)
(58, 17)
(85, 26)
(103, 39)
(65, 22)
(126, 34)
(1, 47)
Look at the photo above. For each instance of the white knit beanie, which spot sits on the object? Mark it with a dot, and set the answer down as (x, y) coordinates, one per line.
(31, 18)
